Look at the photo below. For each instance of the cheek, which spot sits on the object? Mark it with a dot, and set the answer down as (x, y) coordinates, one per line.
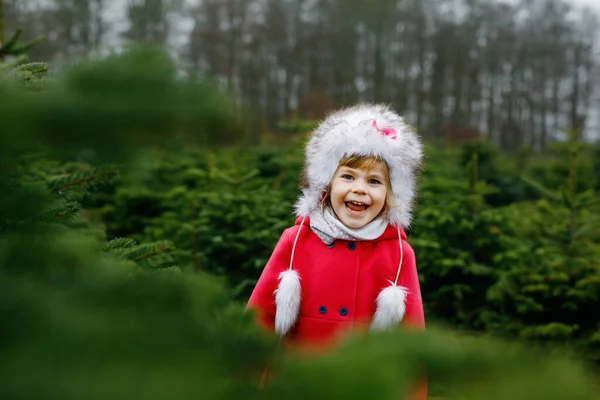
(381, 195)
(337, 198)
(337, 191)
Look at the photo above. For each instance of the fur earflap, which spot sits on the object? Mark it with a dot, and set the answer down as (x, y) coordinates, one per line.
(391, 306)
(288, 297)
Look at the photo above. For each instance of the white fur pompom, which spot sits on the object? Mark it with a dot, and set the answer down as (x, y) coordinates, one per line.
(288, 297)
(391, 306)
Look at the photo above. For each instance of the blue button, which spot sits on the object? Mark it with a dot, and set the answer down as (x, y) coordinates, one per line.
(330, 245)
(352, 245)
(343, 311)
(322, 310)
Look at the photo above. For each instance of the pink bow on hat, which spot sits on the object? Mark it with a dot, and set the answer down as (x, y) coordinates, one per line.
(389, 132)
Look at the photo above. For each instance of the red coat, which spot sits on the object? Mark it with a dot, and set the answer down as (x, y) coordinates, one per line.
(340, 283)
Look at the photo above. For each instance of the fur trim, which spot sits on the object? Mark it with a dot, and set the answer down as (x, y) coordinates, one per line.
(391, 306)
(308, 201)
(288, 297)
(351, 131)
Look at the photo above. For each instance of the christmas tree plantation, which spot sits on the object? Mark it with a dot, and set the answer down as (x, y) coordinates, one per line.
(83, 317)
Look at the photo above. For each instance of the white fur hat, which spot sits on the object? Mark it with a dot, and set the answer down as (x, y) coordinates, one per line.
(370, 130)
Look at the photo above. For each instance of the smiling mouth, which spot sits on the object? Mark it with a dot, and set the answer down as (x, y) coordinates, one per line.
(356, 206)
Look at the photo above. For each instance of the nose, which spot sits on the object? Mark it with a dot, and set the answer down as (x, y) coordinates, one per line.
(358, 186)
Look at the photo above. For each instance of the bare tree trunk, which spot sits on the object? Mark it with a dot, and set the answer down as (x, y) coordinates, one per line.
(99, 22)
(491, 120)
(232, 44)
(543, 127)
(379, 69)
(458, 69)
(378, 54)
(472, 85)
(507, 132)
(588, 87)
(437, 92)
(1, 24)
(420, 82)
(532, 131)
(294, 58)
(574, 116)
(556, 103)
(542, 108)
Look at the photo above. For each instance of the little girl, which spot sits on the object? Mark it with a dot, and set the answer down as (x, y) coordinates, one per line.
(346, 265)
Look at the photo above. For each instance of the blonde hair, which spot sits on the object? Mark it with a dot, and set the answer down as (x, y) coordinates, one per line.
(366, 163)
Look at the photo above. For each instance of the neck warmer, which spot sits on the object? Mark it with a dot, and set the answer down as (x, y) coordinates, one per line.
(326, 225)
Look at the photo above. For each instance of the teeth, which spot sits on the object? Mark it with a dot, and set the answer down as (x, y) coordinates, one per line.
(357, 203)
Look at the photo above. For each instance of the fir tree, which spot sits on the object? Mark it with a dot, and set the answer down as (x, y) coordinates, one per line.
(12, 52)
(84, 318)
(552, 300)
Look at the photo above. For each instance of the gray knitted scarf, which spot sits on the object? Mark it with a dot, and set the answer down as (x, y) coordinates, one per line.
(326, 225)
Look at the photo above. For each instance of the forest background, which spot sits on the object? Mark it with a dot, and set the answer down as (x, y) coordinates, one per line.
(143, 191)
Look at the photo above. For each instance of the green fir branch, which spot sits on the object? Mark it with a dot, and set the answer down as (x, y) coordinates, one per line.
(119, 245)
(132, 251)
(10, 185)
(31, 76)
(156, 252)
(551, 195)
(588, 200)
(10, 47)
(87, 178)
(588, 230)
(157, 261)
(148, 256)
(35, 68)
(20, 60)
(5, 49)
(65, 212)
(26, 46)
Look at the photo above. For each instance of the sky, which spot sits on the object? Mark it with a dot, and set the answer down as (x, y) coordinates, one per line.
(593, 3)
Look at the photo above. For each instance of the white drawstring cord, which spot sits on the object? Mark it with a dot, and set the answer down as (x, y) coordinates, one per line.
(401, 257)
(296, 240)
(399, 242)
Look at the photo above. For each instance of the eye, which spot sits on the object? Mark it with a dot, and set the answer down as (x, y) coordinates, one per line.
(347, 177)
(374, 182)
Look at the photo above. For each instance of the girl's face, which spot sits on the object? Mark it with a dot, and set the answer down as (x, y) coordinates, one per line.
(358, 195)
